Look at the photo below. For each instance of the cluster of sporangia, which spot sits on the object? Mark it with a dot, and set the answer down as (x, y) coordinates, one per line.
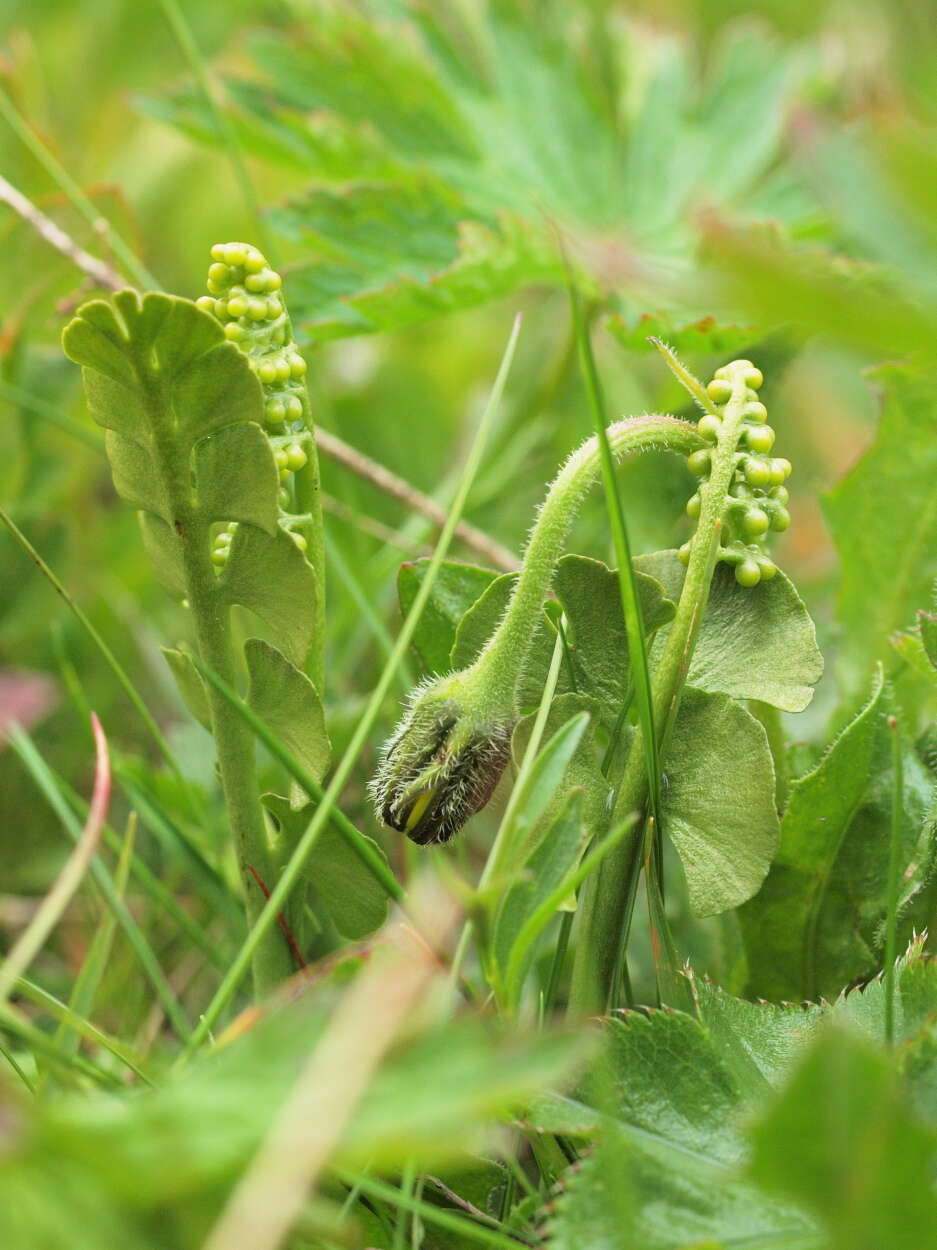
(757, 498)
(244, 294)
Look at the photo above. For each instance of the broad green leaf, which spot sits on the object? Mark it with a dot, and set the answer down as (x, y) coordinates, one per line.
(190, 684)
(480, 620)
(289, 705)
(134, 479)
(883, 517)
(546, 775)
(272, 577)
(159, 367)
(861, 1160)
(676, 1093)
(478, 138)
(755, 642)
(165, 552)
(341, 884)
(546, 868)
(598, 645)
(236, 477)
(815, 924)
(718, 801)
(456, 588)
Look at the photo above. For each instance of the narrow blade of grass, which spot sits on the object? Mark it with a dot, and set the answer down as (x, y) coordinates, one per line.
(297, 861)
(49, 912)
(431, 1214)
(24, 747)
(79, 201)
(70, 1019)
(113, 663)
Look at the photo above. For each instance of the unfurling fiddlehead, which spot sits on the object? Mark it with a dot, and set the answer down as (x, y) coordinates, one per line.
(188, 396)
(444, 760)
(245, 295)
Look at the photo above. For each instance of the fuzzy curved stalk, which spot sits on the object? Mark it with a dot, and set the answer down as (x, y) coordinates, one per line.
(451, 746)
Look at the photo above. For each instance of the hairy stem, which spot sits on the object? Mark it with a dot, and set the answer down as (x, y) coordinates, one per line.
(507, 651)
(604, 914)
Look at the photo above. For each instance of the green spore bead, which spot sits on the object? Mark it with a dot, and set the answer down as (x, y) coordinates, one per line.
(757, 472)
(780, 470)
(219, 556)
(748, 572)
(234, 332)
(780, 494)
(683, 553)
(267, 372)
(719, 390)
(767, 568)
(754, 378)
(236, 306)
(295, 458)
(217, 251)
(274, 411)
(272, 280)
(257, 309)
(698, 462)
(254, 261)
(234, 254)
(709, 427)
(274, 308)
(693, 505)
(780, 519)
(756, 522)
(755, 411)
(280, 458)
(297, 367)
(299, 540)
(760, 438)
(256, 283)
(219, 274)
(294, 408)
(224, 537)
(283, 370)
(206, 303)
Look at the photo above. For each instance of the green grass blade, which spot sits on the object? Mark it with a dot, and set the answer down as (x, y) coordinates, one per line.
(24, 747)
(47, 915)
(340, 822)
(294, 867)
(466, 1228)
(630, 600)
(75, 195)
(113, 663)
(70, 1019)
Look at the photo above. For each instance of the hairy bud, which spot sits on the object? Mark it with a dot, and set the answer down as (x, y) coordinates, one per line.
(442, 763)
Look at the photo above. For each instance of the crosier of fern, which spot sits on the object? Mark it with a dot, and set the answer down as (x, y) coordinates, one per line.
(444, 760)
(208, 435)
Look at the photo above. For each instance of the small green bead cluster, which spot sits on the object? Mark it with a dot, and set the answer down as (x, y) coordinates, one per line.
(757, 498)
(244, 295)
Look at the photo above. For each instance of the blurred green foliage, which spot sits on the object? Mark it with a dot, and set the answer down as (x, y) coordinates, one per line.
(727, 175)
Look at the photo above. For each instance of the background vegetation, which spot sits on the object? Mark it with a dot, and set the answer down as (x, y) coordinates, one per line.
(741, 180)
